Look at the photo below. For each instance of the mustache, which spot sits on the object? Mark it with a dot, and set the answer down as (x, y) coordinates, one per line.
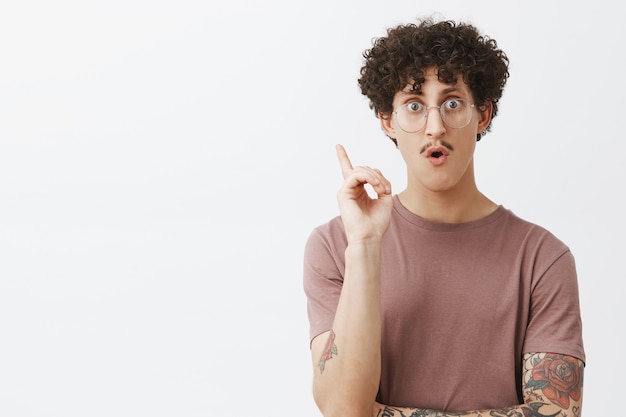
(431, 144)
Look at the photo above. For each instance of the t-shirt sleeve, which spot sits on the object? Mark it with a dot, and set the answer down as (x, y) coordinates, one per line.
(323, 279)
(555, 323)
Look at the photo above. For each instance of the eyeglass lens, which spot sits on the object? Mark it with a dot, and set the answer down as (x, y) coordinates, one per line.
(455, 113)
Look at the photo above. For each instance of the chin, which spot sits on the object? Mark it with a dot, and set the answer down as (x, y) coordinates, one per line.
(439, 184)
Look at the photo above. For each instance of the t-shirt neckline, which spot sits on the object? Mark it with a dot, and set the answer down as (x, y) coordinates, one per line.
(445, 227)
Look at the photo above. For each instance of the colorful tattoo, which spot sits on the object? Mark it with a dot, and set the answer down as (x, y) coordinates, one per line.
(559, 377)
(552, 382)
(329, 351)
(418, 412)
(531, 411)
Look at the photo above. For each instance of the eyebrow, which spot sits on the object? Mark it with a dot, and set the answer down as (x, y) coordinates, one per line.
(419, 92)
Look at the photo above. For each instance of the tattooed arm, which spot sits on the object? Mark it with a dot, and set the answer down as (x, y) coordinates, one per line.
(552, 385)
(347, 358)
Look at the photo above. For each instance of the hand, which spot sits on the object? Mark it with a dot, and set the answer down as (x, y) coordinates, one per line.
(363, 217)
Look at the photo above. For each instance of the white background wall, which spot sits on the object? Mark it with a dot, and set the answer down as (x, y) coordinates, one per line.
(162, 163)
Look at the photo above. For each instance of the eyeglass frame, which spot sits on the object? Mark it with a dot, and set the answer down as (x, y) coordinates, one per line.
(427, 110)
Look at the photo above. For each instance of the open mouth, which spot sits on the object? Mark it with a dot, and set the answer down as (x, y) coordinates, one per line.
(432, 150)
(437, 155)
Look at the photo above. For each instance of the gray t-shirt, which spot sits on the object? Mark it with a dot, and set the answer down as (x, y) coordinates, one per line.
(461, 304)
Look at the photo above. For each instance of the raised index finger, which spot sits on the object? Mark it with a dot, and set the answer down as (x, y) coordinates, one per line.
(344, 161)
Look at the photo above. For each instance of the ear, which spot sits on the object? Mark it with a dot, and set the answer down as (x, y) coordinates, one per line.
(484, 113)
(385, 124)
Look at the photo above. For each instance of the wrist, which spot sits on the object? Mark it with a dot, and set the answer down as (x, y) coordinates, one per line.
(369, 244)
(368, 250)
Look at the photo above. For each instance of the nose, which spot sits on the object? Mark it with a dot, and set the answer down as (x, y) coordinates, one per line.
(434, 125)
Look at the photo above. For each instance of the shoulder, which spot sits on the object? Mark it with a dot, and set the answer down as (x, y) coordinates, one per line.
(331, 231)
(541, 251)
(532, 234)
(327, 238)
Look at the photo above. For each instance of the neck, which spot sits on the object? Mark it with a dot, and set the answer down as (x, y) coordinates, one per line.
(450, 206)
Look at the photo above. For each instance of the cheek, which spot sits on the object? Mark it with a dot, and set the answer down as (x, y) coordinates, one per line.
(467, 160)
(468, 147)
(409, 148)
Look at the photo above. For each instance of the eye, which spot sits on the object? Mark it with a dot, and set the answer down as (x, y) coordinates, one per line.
(414, 106)
(453, 104)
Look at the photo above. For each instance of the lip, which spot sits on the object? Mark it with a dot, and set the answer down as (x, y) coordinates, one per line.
(442, 150)
(437, 155)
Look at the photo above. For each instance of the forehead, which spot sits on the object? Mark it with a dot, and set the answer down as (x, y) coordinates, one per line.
(433, 86)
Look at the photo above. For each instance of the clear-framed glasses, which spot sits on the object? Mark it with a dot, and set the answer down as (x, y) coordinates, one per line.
(455, 113)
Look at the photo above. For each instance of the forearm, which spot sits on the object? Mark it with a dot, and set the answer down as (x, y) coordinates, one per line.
(535, 409)
(552, 386)
(348, 374)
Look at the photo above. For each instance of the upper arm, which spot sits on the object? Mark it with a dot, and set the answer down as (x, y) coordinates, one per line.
(320, 351)
(553, 381)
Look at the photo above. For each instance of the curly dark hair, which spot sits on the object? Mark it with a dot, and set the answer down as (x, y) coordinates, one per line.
(454, 49)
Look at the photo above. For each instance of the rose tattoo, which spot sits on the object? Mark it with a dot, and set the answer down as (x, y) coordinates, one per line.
(559, 377)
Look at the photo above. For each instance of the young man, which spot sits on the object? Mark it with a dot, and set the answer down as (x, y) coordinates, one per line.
(437, 301)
